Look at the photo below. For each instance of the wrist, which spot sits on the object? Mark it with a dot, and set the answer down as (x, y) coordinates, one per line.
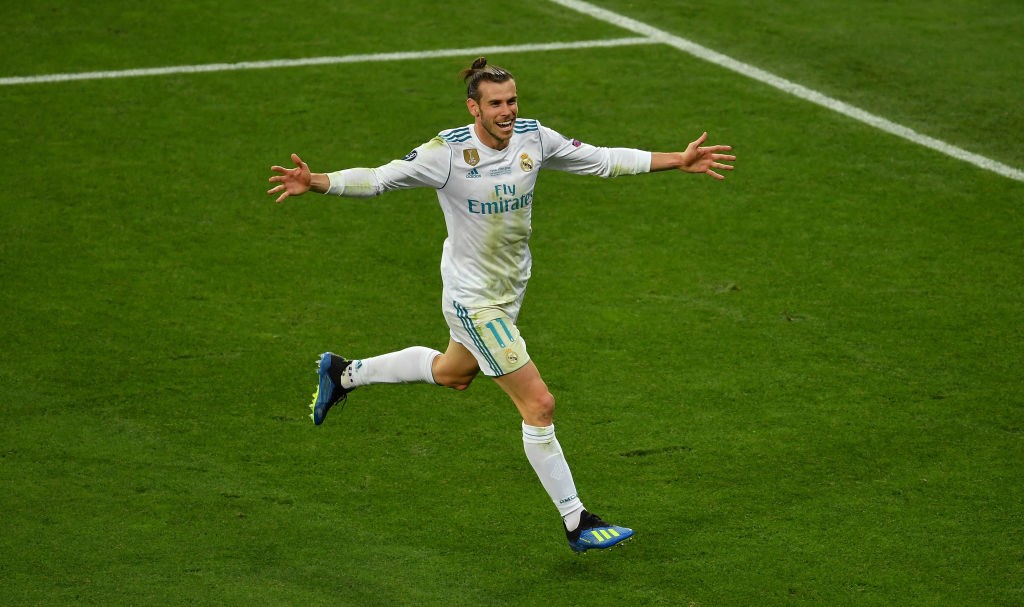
(319, 182)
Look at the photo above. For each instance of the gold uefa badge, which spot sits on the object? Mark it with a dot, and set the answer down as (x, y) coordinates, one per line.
(525, 163)
(471, 156)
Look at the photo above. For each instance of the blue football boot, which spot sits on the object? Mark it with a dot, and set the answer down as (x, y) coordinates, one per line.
(328, 391)
(593, 533)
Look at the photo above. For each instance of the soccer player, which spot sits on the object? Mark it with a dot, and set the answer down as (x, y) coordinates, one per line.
(484, 174)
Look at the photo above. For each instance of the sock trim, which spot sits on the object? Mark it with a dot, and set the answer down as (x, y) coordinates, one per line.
(538, 435)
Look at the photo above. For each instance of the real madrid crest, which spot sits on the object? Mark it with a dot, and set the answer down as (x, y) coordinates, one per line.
(525, 163)
(471, 156)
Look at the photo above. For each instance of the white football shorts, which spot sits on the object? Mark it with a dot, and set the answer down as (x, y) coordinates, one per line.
(490, 334)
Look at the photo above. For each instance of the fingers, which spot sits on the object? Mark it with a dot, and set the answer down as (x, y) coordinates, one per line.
(283, 189)
(718, 166)
(282, 176)
(279, 188)
(717, 158)
(714, 153)
(283, 171)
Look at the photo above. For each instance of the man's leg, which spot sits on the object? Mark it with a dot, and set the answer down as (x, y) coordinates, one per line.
(536, 405)
(456, 368)
(528, 391)
(408, 366)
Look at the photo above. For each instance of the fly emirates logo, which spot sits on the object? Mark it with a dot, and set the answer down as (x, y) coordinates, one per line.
(503, 201)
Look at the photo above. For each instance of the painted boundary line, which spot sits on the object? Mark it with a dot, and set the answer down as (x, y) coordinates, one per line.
(648, 35)
(278, 63)
(791, 88)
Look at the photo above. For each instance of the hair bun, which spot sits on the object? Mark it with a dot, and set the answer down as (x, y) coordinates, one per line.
(479, 71)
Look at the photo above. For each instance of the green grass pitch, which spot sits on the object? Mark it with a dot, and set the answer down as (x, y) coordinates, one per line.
(801, 386)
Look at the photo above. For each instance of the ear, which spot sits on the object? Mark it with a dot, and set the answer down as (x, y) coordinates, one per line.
(473, 107)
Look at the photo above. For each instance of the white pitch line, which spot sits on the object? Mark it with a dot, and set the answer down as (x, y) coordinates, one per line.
(278, 63)
(650, 35)
(792, 88)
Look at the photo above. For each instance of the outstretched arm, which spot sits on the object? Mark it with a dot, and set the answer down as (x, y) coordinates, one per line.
(297, 181)
(695, 159)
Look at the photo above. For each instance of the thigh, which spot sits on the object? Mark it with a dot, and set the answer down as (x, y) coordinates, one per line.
(456, 367)
(530, 394)
(489, 335)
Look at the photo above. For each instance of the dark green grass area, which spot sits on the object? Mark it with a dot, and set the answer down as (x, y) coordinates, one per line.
(800, 386)
(115, 34)
(948, 69)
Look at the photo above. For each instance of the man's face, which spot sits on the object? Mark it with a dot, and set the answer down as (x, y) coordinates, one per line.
(495, 113)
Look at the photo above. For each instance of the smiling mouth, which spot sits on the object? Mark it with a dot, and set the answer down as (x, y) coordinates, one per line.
(505, 125)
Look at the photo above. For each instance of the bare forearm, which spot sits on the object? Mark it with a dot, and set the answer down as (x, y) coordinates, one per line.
(666, 161)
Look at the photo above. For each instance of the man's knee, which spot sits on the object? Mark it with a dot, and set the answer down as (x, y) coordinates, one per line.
(456, 368)
(541, 409)
(458, 382)
(444, 376)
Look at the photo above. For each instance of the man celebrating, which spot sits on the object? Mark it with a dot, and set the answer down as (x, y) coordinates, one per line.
(484, 174)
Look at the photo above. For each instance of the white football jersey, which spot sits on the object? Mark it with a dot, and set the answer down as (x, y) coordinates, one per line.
(487, 199)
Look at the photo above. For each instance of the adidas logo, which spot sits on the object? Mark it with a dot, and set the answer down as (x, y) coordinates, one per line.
(474, 174)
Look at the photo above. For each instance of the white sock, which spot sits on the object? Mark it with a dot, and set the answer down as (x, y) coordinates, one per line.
(572, 520)
(548, 461)
(408, 366)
